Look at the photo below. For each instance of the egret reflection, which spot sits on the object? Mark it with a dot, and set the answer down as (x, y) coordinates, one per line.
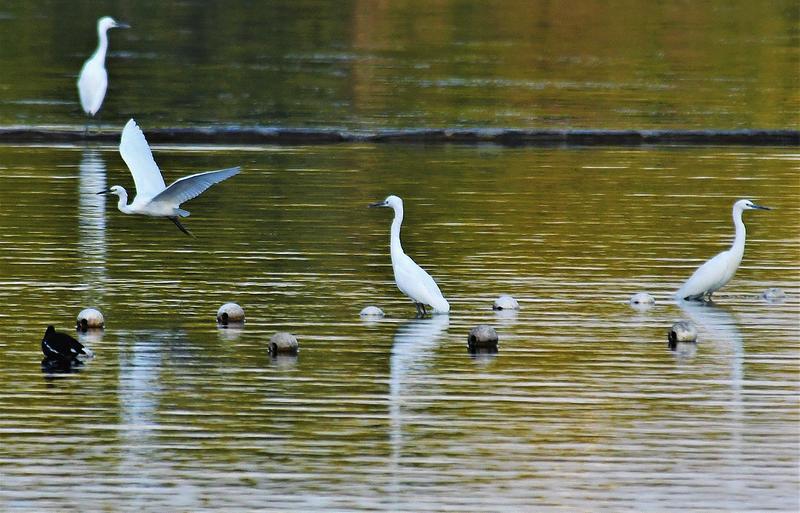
(718, 327)
(92, 223)
(414, 346)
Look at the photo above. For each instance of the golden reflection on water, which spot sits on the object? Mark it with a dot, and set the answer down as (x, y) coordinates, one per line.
(583, 406)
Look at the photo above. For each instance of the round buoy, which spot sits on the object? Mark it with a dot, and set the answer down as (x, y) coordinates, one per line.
(774, 295)
(283, 343)
(505, 302)
(90, 318)
(371, 311)
(482, 336)
(642, 299)
(681, 332)
(230, 313)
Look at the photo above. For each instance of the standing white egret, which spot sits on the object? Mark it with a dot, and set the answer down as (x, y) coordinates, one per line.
(153, 198)
(411, 279)
(715, 273)
(93, 80)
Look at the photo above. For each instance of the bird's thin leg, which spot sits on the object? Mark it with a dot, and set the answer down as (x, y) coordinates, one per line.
(181, 227)
(419, 310)
(424, 312)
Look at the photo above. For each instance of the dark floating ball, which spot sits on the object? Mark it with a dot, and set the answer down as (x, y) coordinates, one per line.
(230, 313)
(482, 337)
(283, 343)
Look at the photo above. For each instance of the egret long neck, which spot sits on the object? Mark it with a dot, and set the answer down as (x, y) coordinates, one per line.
(102, 46)
(395, 247)
(738, 241)
(122, 203)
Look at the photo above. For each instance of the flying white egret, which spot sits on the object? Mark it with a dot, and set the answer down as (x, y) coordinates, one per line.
(93, 80)
(411, 279)
(715, 273)
(153, 198)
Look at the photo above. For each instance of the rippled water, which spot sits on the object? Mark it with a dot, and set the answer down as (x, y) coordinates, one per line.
(583, 408)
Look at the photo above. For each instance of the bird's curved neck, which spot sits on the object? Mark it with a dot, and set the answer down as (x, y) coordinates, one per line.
(394, 237)
(741, 233)
(122, 202)
(102, 45)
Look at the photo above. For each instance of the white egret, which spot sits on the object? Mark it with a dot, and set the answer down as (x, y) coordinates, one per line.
(93, 80)
(715, 273)
(411, 279)
(153, 198)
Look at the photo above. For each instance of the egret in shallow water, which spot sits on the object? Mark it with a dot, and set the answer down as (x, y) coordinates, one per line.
(153, 198)
(714, 274)
(411, 279)
(93, 80)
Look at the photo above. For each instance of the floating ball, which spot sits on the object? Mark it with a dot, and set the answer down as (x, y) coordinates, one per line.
(283, 343)
(371, 311)
(774, 295)
(90, 318)
(681, 332)
(482, 336)
(230, 313)
(505, 303)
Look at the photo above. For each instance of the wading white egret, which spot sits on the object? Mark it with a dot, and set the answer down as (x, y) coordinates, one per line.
(153, 198)
(93, 80)
(715, 273)
(411, 279)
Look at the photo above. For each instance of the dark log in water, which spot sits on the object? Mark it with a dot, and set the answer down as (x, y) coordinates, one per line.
(505, 137)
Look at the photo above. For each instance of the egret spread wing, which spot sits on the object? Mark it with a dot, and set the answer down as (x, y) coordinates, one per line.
(137, 155)
(191, 186)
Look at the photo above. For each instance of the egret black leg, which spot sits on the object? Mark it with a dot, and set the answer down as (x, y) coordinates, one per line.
(424, 312)
(181, 227)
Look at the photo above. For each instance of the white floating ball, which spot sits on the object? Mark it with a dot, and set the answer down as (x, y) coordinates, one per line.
(230, 313)
(371, 311)
(642, 301)
(90, 318)
(682, 331)
(774, 295)
(505, 302)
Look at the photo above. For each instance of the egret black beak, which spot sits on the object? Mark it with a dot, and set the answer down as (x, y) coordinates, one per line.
(379, 204)
(122, 25)
(107, 191)
(759, 207)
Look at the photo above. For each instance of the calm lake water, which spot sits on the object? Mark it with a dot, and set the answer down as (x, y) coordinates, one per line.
(720, 64)
(583, 408)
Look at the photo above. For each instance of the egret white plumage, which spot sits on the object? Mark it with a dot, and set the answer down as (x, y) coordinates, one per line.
(153, 198)
(93, 80)
(411, 279)
(718, 271)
